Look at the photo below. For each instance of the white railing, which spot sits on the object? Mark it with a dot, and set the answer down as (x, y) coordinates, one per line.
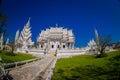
(51, 70)
(70, 52)
(44, 70)
(15, 64)
(31, 51)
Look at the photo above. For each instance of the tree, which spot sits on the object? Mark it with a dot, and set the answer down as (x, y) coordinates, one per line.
(103, 43)
(3, 22)
(12, 44)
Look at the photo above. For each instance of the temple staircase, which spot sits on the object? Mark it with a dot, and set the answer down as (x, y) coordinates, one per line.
(34, 71)
(52, 53)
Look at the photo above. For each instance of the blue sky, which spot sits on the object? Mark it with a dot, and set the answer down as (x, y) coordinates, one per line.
(82, 16)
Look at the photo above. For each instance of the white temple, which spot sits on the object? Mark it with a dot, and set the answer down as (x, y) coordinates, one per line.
(56, 38)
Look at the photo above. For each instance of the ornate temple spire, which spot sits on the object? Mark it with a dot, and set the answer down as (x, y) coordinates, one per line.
(92, 43)
(28, 23)
(97, 37)
(25, 36)
(56, 25)
(7, 42)
(16, 36)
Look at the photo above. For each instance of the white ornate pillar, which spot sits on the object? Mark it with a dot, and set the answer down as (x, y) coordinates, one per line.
(39, 46)
(70, 45)
(65, 45)
(61, 45)
(73, 45)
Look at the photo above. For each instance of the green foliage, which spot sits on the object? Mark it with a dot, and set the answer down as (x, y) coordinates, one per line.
(8, 57)
(101, 55)
(3, 22)
(88, 67)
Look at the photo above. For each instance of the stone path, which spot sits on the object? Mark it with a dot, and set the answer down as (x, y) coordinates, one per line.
(32, 71)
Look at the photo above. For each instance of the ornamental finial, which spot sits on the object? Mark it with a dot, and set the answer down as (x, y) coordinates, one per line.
(56, 25)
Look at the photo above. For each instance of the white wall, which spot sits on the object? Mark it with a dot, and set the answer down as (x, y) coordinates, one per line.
(70, 52)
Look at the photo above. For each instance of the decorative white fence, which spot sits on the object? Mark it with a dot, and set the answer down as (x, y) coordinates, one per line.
(36, 51)
(31, 51)
(15, 64)
(51, 70)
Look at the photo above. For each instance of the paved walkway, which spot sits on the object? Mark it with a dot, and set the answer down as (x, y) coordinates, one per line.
(31, 71)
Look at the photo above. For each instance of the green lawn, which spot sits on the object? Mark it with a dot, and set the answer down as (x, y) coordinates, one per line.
(8, 57)
(88, 67)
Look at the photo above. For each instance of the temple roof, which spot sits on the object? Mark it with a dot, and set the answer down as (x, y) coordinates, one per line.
(91, 43)
(56, 33)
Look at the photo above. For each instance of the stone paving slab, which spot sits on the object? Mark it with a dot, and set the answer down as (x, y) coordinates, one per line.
(30, 72)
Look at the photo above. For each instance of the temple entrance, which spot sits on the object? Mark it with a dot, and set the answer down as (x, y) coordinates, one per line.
(58, 47)
(63, 46)
(54, 45)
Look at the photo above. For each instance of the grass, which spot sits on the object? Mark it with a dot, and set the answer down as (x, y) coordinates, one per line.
(8, 57)
(88, 67)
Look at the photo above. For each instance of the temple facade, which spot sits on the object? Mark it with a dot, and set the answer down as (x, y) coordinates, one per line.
(56, 38)
(51, 40)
